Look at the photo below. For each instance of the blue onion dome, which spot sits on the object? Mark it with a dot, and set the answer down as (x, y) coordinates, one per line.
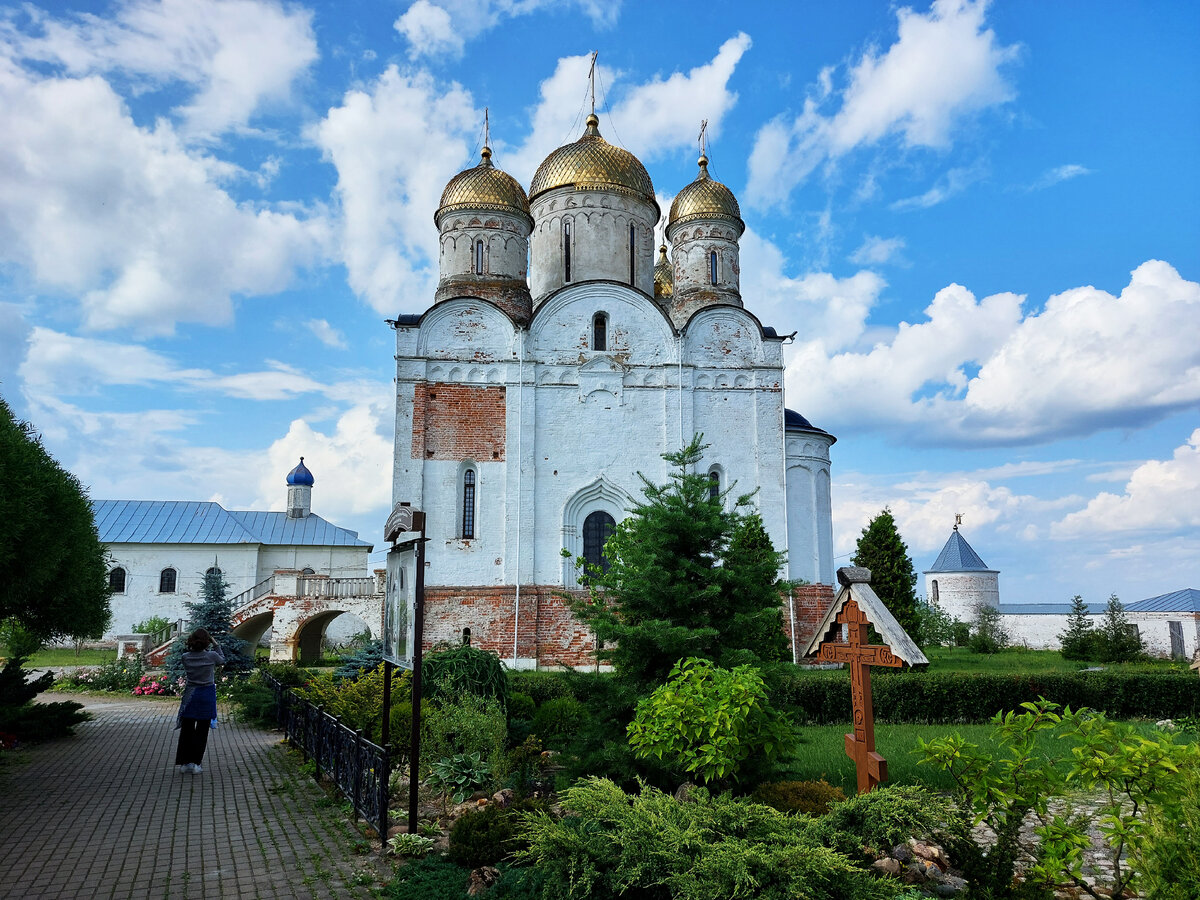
(301, 475)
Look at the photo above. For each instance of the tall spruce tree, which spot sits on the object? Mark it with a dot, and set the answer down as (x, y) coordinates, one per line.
(689, 575)
(881, 550)
(1078, 640)
(214, 613)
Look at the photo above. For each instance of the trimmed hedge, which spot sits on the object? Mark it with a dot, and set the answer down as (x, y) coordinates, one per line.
(933, 698)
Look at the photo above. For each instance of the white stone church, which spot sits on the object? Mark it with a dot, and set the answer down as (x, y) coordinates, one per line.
(558, 361)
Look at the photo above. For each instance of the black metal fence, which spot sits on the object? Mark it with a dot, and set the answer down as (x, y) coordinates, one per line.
(358, 767)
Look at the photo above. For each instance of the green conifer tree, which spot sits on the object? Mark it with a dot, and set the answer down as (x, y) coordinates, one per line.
(1116, 639)
(689, 575)
(1078, 640)
(214, 613)
(893, 579)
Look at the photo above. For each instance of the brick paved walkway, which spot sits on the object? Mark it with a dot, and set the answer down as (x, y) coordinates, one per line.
(104, 814)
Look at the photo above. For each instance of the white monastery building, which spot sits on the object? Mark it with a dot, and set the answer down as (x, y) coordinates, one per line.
(557, 361)
(960, 580)
(159, 551)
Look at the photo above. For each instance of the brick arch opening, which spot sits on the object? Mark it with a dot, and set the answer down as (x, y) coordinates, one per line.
(253, 628)
(310, 633)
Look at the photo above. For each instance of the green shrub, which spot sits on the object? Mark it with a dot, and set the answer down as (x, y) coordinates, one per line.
(464, 670)
(364, 659)
(708, 721)
(888, 815)
(526, 766)
(812, 798)
(652, 847)
(358, 703)
(465, 725)
(286, 673)
(520, 883)
(431, 878)
(1169, 856)
(558, 719)
(488, 836)
(152, 625)
(935, 698)
(541, 686)
(253, 701)
(520, 706)
(458, 777)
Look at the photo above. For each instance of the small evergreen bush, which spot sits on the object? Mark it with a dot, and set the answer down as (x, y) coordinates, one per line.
(488, 836)
(556, 720)
(520, 706)
(466, 669)
(24, 720)
(431, 878)
(541, 686)
(888, 815)
(811, 798)
(465, 725)
(365, 659)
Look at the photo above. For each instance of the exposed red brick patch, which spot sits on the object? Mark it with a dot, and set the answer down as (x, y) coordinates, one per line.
(458, 421)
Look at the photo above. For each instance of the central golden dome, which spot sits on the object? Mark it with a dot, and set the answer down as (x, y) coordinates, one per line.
(705, 199)
(593, 163)
(664, 275)
(484, 187)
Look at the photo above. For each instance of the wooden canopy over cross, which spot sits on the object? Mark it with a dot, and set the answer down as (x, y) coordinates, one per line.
(856, 609)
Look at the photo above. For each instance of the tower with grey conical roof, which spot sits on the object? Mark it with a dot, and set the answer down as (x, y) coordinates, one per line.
(959, 579)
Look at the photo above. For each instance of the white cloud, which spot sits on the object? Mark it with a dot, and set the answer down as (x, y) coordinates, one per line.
(878, 251)
(1051, 177)
(128, 218)
(1085, 362)
(650, 119)
(953, 182)
(443, 27)
(943, 66)
(395, 146)
(59, 364)
(238, 55)
(1159, 496)
(326, 333)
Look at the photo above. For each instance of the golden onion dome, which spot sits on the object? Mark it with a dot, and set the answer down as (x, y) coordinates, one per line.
(664, 274)
(485, 188)
(705, 199)
(593, 163)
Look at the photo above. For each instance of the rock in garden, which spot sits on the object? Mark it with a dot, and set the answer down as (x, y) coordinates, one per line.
(886, 866)
(931, 852)
(503, 798)
(902, 852)
(397, 829)
(685, 792)
(481, 879)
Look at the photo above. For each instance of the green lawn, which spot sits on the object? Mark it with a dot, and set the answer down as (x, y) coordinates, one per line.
(822, 752)
(65, 656)
(960, 659)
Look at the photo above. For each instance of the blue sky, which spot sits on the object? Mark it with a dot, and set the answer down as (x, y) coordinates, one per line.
(980, 219)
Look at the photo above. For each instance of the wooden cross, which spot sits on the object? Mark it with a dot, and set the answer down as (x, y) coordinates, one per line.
(860, 656)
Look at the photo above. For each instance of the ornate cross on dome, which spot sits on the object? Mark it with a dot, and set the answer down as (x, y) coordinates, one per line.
(703, 137)
(592, 79)
(487, 131)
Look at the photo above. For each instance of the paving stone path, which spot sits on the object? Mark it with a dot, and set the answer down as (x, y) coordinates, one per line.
(105, 815)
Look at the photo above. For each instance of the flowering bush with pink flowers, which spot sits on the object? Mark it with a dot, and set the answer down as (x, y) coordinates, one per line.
(155, 685)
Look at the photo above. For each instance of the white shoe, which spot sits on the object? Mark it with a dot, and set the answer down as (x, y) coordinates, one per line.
(196, 770)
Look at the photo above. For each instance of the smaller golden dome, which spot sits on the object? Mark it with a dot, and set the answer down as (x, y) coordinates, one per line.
(705, 199)
(592, 163)
(485, 188)
(664, 274)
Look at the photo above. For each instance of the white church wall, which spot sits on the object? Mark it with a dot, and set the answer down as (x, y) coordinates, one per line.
(1155, 630)
(638, 332)
(337, 562)
(143, 564)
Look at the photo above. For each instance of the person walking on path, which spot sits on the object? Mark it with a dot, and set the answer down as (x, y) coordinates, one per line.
(198, 707)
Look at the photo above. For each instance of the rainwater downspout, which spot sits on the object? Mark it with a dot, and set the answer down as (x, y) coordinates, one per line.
(520, 467)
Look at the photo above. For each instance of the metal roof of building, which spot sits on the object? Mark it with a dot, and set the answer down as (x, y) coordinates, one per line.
(205, 522)
(1185, 600)
(957, 556)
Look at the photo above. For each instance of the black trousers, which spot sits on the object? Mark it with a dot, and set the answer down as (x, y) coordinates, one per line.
(193, 738)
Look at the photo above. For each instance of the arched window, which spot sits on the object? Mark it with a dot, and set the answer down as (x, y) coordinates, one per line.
(166, 581)
(116, 580)
(714, 485)
(468, 505)
(566, 251)
(632, 242)
(934, 590)
(597, 528)
(599, 331)
(307, 570)
(479, 257)
(213, 570)
(712, 267)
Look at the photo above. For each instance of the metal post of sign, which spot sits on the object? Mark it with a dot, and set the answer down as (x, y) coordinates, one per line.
(406, 519)
(414, 758)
